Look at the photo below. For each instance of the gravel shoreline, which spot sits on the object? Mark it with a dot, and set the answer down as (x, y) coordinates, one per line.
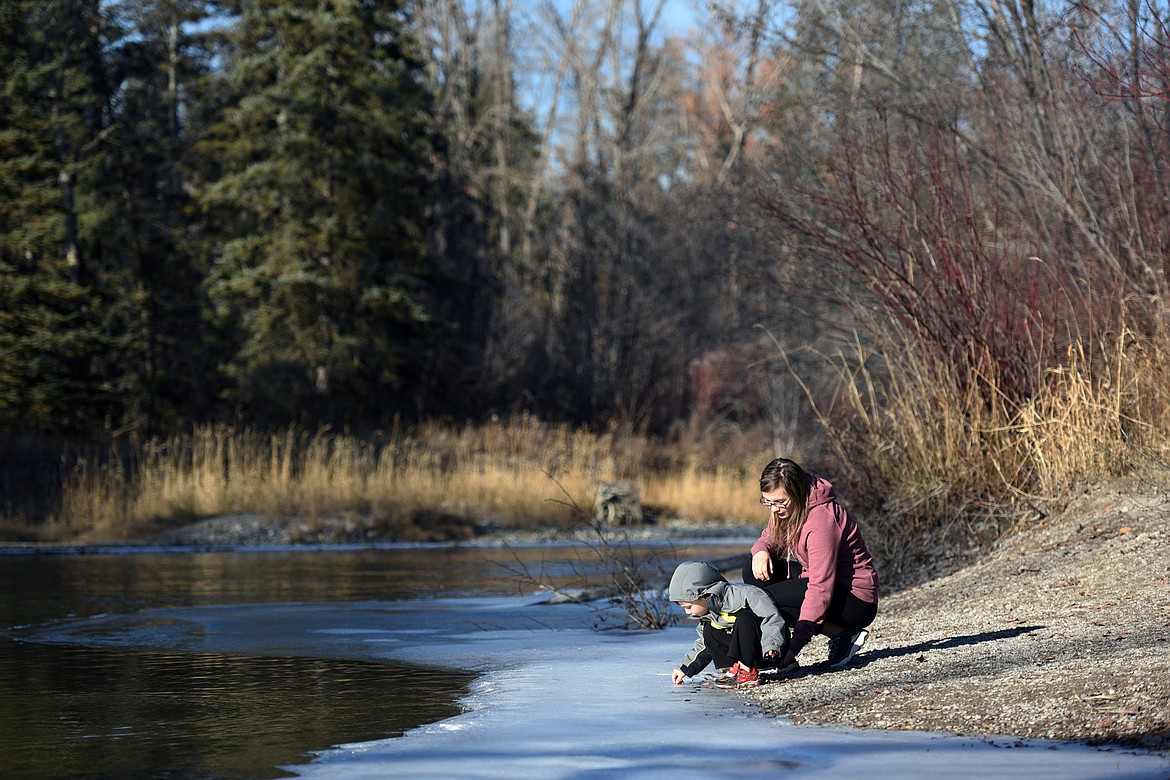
(1061, 633)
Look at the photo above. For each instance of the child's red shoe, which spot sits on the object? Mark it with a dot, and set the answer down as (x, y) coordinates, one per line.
(747, 677)
(730, 678)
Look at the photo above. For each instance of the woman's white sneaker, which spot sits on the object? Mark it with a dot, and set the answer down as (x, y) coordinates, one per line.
(844, 646)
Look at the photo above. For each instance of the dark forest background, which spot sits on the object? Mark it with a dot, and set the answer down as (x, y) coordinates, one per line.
(347, 212)
(812, 219)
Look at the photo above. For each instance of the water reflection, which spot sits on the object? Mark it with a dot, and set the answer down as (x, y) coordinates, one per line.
(83, 712)
(32, 586)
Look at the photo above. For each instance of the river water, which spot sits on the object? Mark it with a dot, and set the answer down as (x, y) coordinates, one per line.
(74, 705)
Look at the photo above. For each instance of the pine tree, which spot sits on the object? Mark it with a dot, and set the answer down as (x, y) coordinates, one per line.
(315, 212)
(157, 56)
(50, 321)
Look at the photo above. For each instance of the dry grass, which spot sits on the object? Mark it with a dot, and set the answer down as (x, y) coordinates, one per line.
(520, 474)
(927, 468)
(950, 470)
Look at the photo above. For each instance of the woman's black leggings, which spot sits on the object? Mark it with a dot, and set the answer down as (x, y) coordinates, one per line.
(787, 588)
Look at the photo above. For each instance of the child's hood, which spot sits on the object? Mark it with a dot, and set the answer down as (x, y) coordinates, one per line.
(692, 580)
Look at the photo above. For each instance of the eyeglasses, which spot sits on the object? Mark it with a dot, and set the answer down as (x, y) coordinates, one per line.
(776, 504)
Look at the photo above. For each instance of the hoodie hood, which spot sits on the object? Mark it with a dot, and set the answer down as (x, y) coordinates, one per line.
(692, 580)
(820, 491)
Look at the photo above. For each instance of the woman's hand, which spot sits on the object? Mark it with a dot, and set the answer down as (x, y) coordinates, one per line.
(762, 565)
(772, 657)
(677, 676)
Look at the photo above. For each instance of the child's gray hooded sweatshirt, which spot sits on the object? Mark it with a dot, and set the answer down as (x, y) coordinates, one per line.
(694, 579)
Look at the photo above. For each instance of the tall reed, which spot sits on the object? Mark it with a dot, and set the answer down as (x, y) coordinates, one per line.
(945, 470)
(516, 473)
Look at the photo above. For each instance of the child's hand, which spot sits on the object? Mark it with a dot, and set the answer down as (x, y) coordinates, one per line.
(677, 676)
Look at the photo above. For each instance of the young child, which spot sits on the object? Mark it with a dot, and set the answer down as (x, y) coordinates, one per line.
(739, 625)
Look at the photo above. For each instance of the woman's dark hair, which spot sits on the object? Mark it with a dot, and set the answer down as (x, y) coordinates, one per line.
(787, 474)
